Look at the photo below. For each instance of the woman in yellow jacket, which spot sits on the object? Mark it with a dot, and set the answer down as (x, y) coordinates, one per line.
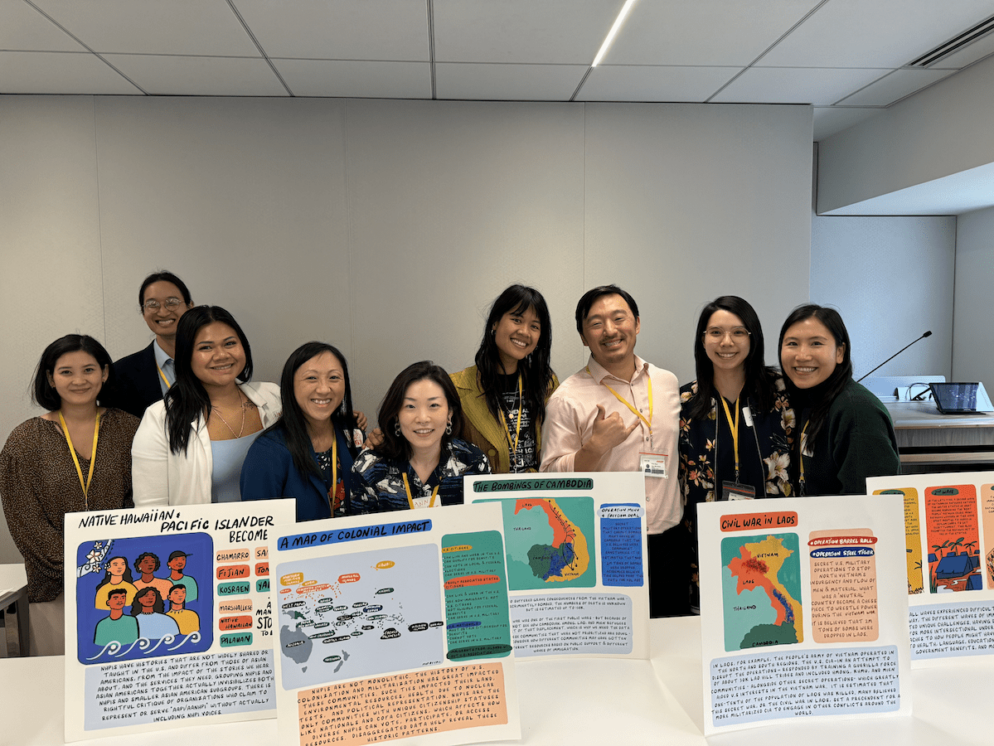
(503, 396)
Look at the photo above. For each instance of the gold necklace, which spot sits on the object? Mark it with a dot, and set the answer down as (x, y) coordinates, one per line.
(230, 428)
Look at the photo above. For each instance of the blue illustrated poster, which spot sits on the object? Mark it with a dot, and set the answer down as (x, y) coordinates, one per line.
(144, 597)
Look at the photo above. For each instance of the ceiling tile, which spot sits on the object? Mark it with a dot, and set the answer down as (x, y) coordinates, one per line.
(793, 85)
(22, 28)
(703, 32)
(646, 83)
(829, 121)
(881, 33)
(196, 27)
(969, 54)
(483, 82)
(339, 29)
(348, 79)
(524, 31)
(199, 76)
(59, 72)
(895, 86)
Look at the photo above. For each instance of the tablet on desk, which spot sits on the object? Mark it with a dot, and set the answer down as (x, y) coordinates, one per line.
(955, 398)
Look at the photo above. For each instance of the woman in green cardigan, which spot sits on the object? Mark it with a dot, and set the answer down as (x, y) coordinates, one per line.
(503, 396)
(846, 433)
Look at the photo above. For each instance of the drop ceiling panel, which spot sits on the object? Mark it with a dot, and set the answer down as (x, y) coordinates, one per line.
(703, 32)
(22, 28)
(645, 83)
(483, 82)
(339, 29)
(895, 86)
(525, 31)
(881, 33)
(59, 72)
(829, 121)
(204, 27)
(347, 79)
(199, 76)
(792, 85)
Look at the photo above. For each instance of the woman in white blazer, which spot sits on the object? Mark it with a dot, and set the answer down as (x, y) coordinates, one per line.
(190, 446)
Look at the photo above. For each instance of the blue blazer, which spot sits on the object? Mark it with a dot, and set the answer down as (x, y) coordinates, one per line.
(136, 383)
(269, 473)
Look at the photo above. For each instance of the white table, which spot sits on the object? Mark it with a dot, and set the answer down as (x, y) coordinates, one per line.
(14, 592)
(592, 702)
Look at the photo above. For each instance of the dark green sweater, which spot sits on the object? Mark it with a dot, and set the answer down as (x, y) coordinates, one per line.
(856, 441)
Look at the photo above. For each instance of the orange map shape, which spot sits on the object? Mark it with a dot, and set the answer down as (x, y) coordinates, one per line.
(758, 567)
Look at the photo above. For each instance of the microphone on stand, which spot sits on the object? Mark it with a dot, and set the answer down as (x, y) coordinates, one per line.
(926, 334)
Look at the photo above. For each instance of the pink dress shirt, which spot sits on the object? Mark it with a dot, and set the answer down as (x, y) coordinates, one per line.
(569, 423)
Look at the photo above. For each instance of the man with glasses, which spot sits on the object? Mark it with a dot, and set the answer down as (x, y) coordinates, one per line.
(144, 377)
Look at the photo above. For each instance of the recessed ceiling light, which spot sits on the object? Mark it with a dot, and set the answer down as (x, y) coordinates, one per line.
(613, 32)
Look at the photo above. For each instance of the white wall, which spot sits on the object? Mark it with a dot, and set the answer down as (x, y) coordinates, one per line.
(973, 354)
(387, 227)
(892, 279)
(941, 131)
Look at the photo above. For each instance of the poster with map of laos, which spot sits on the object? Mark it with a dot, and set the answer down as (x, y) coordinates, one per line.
(576, 561)
(949, 537)
(394, 627)
(803, 610)
(168, 617)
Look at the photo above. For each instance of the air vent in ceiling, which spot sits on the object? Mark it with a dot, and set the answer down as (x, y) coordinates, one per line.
(955, 44)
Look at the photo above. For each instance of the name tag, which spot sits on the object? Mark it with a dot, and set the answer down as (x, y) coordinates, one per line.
(653, 464)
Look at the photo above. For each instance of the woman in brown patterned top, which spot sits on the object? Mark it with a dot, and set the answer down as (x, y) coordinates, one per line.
(76, 457)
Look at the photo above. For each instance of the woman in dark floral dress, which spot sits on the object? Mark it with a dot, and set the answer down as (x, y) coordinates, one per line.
(735, 392)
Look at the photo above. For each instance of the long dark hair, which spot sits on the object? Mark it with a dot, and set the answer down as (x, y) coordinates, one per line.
(293, 424)
(840, 377)
(125, 576)
(136, 608)
(758, 378)
(187, 400)
(536, 373)
(44, 393)
(395, 447)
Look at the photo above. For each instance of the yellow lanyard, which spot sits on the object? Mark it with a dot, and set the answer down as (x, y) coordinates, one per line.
(75, 458)
(735, 431)
(334, 472)
(410, 500)
(648, 422)
(507, 430)
(168, 385)
(800, 454)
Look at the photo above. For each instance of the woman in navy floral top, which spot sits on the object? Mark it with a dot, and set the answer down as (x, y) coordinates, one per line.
(419, 464)
(734, 392)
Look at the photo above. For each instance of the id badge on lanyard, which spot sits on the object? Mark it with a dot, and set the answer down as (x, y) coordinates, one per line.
(653, 464)
(736, 491)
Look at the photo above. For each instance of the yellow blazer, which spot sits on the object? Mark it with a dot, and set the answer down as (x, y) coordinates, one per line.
(481, 428)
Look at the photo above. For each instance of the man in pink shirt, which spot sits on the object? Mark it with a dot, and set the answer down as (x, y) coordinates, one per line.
(619, 413)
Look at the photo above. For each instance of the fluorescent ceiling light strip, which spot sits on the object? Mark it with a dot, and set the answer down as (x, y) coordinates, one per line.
(613, 32)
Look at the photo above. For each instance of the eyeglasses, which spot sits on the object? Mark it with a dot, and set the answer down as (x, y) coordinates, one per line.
(716, 334)
(153, 305)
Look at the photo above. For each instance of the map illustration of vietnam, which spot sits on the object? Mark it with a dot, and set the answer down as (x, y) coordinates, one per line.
(761, 579)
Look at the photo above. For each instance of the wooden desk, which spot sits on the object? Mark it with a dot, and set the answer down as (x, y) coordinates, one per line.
(927, 438)
(13, 578)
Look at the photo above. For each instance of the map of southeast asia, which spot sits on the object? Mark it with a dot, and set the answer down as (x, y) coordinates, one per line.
(550, 542)
(761, 591)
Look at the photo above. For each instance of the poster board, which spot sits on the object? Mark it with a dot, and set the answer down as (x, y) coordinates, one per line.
(211, 659)
(394, 627)
(576, 561)
(816, 582)
(949, 534)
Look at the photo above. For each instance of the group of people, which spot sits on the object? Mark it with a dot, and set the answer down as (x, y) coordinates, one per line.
(180, 422)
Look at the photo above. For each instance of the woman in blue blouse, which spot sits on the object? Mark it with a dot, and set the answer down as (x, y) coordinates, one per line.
(308, 453)
(419, 464)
